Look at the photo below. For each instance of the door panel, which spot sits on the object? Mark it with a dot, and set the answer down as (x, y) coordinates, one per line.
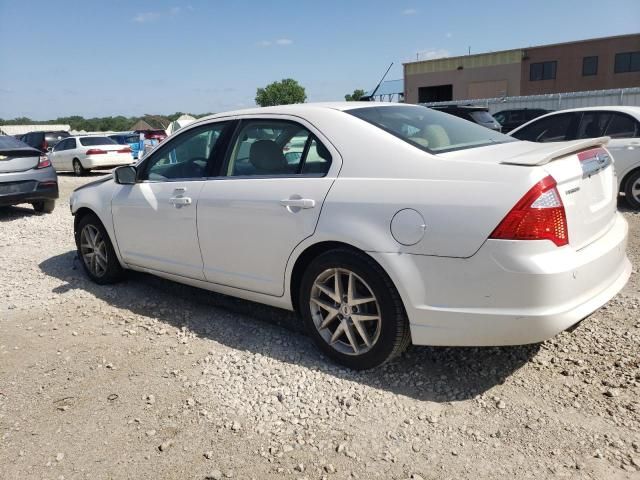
(155, 219)
(268, 200)
(153, 231)
(247, 233)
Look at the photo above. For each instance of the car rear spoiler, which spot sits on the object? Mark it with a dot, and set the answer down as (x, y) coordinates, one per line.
(548, 152)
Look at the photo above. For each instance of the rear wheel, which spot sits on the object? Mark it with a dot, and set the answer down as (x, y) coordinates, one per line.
(632, 190)
(96, 251)
(352, 310)
(44, 206)
(78, 169)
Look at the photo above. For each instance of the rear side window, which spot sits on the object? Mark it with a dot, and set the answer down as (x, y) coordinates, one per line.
(622, 126)
(482, 116)
(93, 141)
(276, 148)
(555, 128)
(428, 129)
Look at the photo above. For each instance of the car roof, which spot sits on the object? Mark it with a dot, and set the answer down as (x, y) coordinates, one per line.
(301, 108)
(612, 108)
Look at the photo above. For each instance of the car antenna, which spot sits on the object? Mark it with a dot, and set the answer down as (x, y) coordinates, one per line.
(369, 98)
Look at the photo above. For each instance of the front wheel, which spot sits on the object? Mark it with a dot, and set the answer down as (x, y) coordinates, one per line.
(96, 251)
(352, 310)
(632, 190)
(78, 169)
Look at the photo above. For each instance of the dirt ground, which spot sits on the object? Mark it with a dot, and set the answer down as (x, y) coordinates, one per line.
(152, 379)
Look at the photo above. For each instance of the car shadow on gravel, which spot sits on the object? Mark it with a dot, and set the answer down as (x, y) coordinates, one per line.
(426, 373)
(9, 214)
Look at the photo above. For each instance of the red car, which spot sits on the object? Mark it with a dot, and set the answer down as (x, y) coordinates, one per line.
(153, 134)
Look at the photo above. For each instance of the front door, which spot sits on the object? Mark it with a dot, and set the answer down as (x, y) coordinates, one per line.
(155, 219)
(265, 202)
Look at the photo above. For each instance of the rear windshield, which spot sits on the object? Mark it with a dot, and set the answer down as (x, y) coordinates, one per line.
(482, 116)
(10, 143)
(93, 141)
(428, 129)
(133, 139)
(53, 138)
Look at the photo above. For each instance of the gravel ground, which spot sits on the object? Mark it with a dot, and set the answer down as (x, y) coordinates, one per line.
(151, 379)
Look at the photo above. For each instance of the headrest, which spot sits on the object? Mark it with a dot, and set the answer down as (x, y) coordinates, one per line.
(266, 155)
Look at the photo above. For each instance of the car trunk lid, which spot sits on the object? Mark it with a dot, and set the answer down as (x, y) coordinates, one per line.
(18, 160)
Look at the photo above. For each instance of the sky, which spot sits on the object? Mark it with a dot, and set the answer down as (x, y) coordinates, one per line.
(116, 57)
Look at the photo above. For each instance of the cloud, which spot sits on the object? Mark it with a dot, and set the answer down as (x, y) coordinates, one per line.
(146, 17)
(433, 53)
(280, 42)
(409, 11)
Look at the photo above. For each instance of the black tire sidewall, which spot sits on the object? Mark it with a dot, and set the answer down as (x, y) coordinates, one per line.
(382, 288)
(114, 269)
(632, 202)
(81, 171)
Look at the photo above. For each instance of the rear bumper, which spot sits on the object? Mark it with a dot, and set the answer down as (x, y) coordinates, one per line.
(509, 292)
(40, 191)
(98, 163)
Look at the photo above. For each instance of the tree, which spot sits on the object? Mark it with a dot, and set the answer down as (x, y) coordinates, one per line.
(355, 96)
(281, 93)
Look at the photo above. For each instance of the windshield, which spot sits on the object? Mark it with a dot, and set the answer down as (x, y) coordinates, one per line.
(93, 141)
(428, 129)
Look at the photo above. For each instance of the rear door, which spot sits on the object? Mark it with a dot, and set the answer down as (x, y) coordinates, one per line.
(57, 155)
(266, 201)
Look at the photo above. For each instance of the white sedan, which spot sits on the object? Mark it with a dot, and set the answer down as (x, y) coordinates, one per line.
(81, 154)
(396, 224)
(621, 124)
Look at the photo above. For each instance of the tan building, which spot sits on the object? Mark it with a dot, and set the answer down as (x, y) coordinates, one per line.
(597, 64)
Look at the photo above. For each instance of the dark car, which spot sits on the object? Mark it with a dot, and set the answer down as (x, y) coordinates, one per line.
(44, 141)
(26, 176)
(510, 119)
(158, 135)
(479, 115)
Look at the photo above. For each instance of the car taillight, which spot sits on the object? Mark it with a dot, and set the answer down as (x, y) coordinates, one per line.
(125, 150)
(539, 215)
(95, 151)
(44, 162)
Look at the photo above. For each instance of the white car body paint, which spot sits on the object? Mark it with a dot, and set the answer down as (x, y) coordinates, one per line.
(458, 287)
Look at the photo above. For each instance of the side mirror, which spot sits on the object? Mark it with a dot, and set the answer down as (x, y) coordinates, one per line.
(49, 149)
(125, 175)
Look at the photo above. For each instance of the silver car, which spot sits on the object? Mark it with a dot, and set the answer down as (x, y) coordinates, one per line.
(26, 176)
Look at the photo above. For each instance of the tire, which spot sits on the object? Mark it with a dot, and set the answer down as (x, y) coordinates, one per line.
(91, 236)
(388, 336)
(44, 206)
(78, 169)
(632, 190)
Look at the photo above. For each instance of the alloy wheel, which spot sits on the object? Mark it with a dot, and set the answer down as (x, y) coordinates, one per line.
(635, 190)
(345, 311)
(93, 249)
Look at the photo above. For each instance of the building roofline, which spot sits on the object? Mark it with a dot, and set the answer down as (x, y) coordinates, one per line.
(611, 37)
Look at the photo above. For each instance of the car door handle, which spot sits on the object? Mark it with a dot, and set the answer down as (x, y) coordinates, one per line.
(180, 201)
(298, 202)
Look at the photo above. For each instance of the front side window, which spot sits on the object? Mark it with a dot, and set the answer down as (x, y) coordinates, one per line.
(543, 71)
(554, 128)
(186, 156)
(627, 62)
(622, 126)
(593, 124)
(428, 129)
(276, 148)
(589, 66)
(71, 144)
(61, 146)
